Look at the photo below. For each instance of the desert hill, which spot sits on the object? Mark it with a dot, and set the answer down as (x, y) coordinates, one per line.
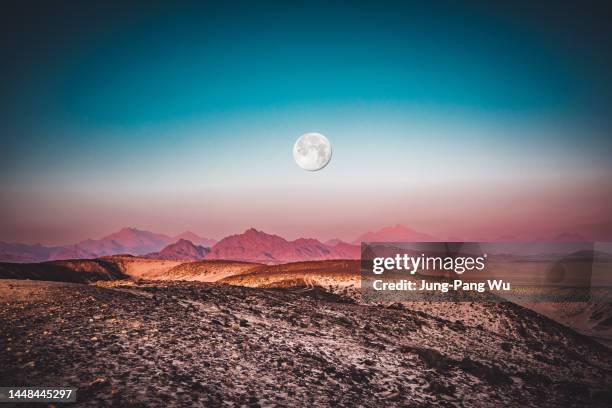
(81, 271)
(205, 271)
(334, 273)
(138, 344)
(121, 267)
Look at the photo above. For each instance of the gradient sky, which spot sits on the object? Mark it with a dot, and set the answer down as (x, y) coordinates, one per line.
(459, 119)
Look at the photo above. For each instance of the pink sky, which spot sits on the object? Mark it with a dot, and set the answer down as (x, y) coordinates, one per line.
(479, 210)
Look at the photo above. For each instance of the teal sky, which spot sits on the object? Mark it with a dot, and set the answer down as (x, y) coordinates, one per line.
(182, 116)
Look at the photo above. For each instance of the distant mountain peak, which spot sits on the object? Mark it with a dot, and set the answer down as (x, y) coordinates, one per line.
(333, 242)
(182, 249)
(186, 233)
(258, 234)
(195, 238)
(254, 231)
(396, 228)
(397, 233)
(182, 242)
(129, 230)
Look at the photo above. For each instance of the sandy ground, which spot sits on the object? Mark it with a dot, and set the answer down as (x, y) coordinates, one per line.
(196, 344)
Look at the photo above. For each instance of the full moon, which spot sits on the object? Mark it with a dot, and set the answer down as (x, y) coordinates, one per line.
(312, 151)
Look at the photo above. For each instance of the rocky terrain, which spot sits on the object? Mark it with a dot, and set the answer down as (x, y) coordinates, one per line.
(198, 344)
(591, 318)
(336, 276)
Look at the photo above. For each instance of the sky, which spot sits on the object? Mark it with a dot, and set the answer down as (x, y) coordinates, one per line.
(458, 119)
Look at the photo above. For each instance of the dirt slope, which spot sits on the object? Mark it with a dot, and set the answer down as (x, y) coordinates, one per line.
(64, 271)
(335, 273)
(205, 271)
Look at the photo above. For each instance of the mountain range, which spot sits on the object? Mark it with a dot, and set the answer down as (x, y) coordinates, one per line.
(258, 246)
(128, 240)
(252, 245)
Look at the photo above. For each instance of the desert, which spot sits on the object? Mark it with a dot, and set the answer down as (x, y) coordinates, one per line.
(283, 335)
